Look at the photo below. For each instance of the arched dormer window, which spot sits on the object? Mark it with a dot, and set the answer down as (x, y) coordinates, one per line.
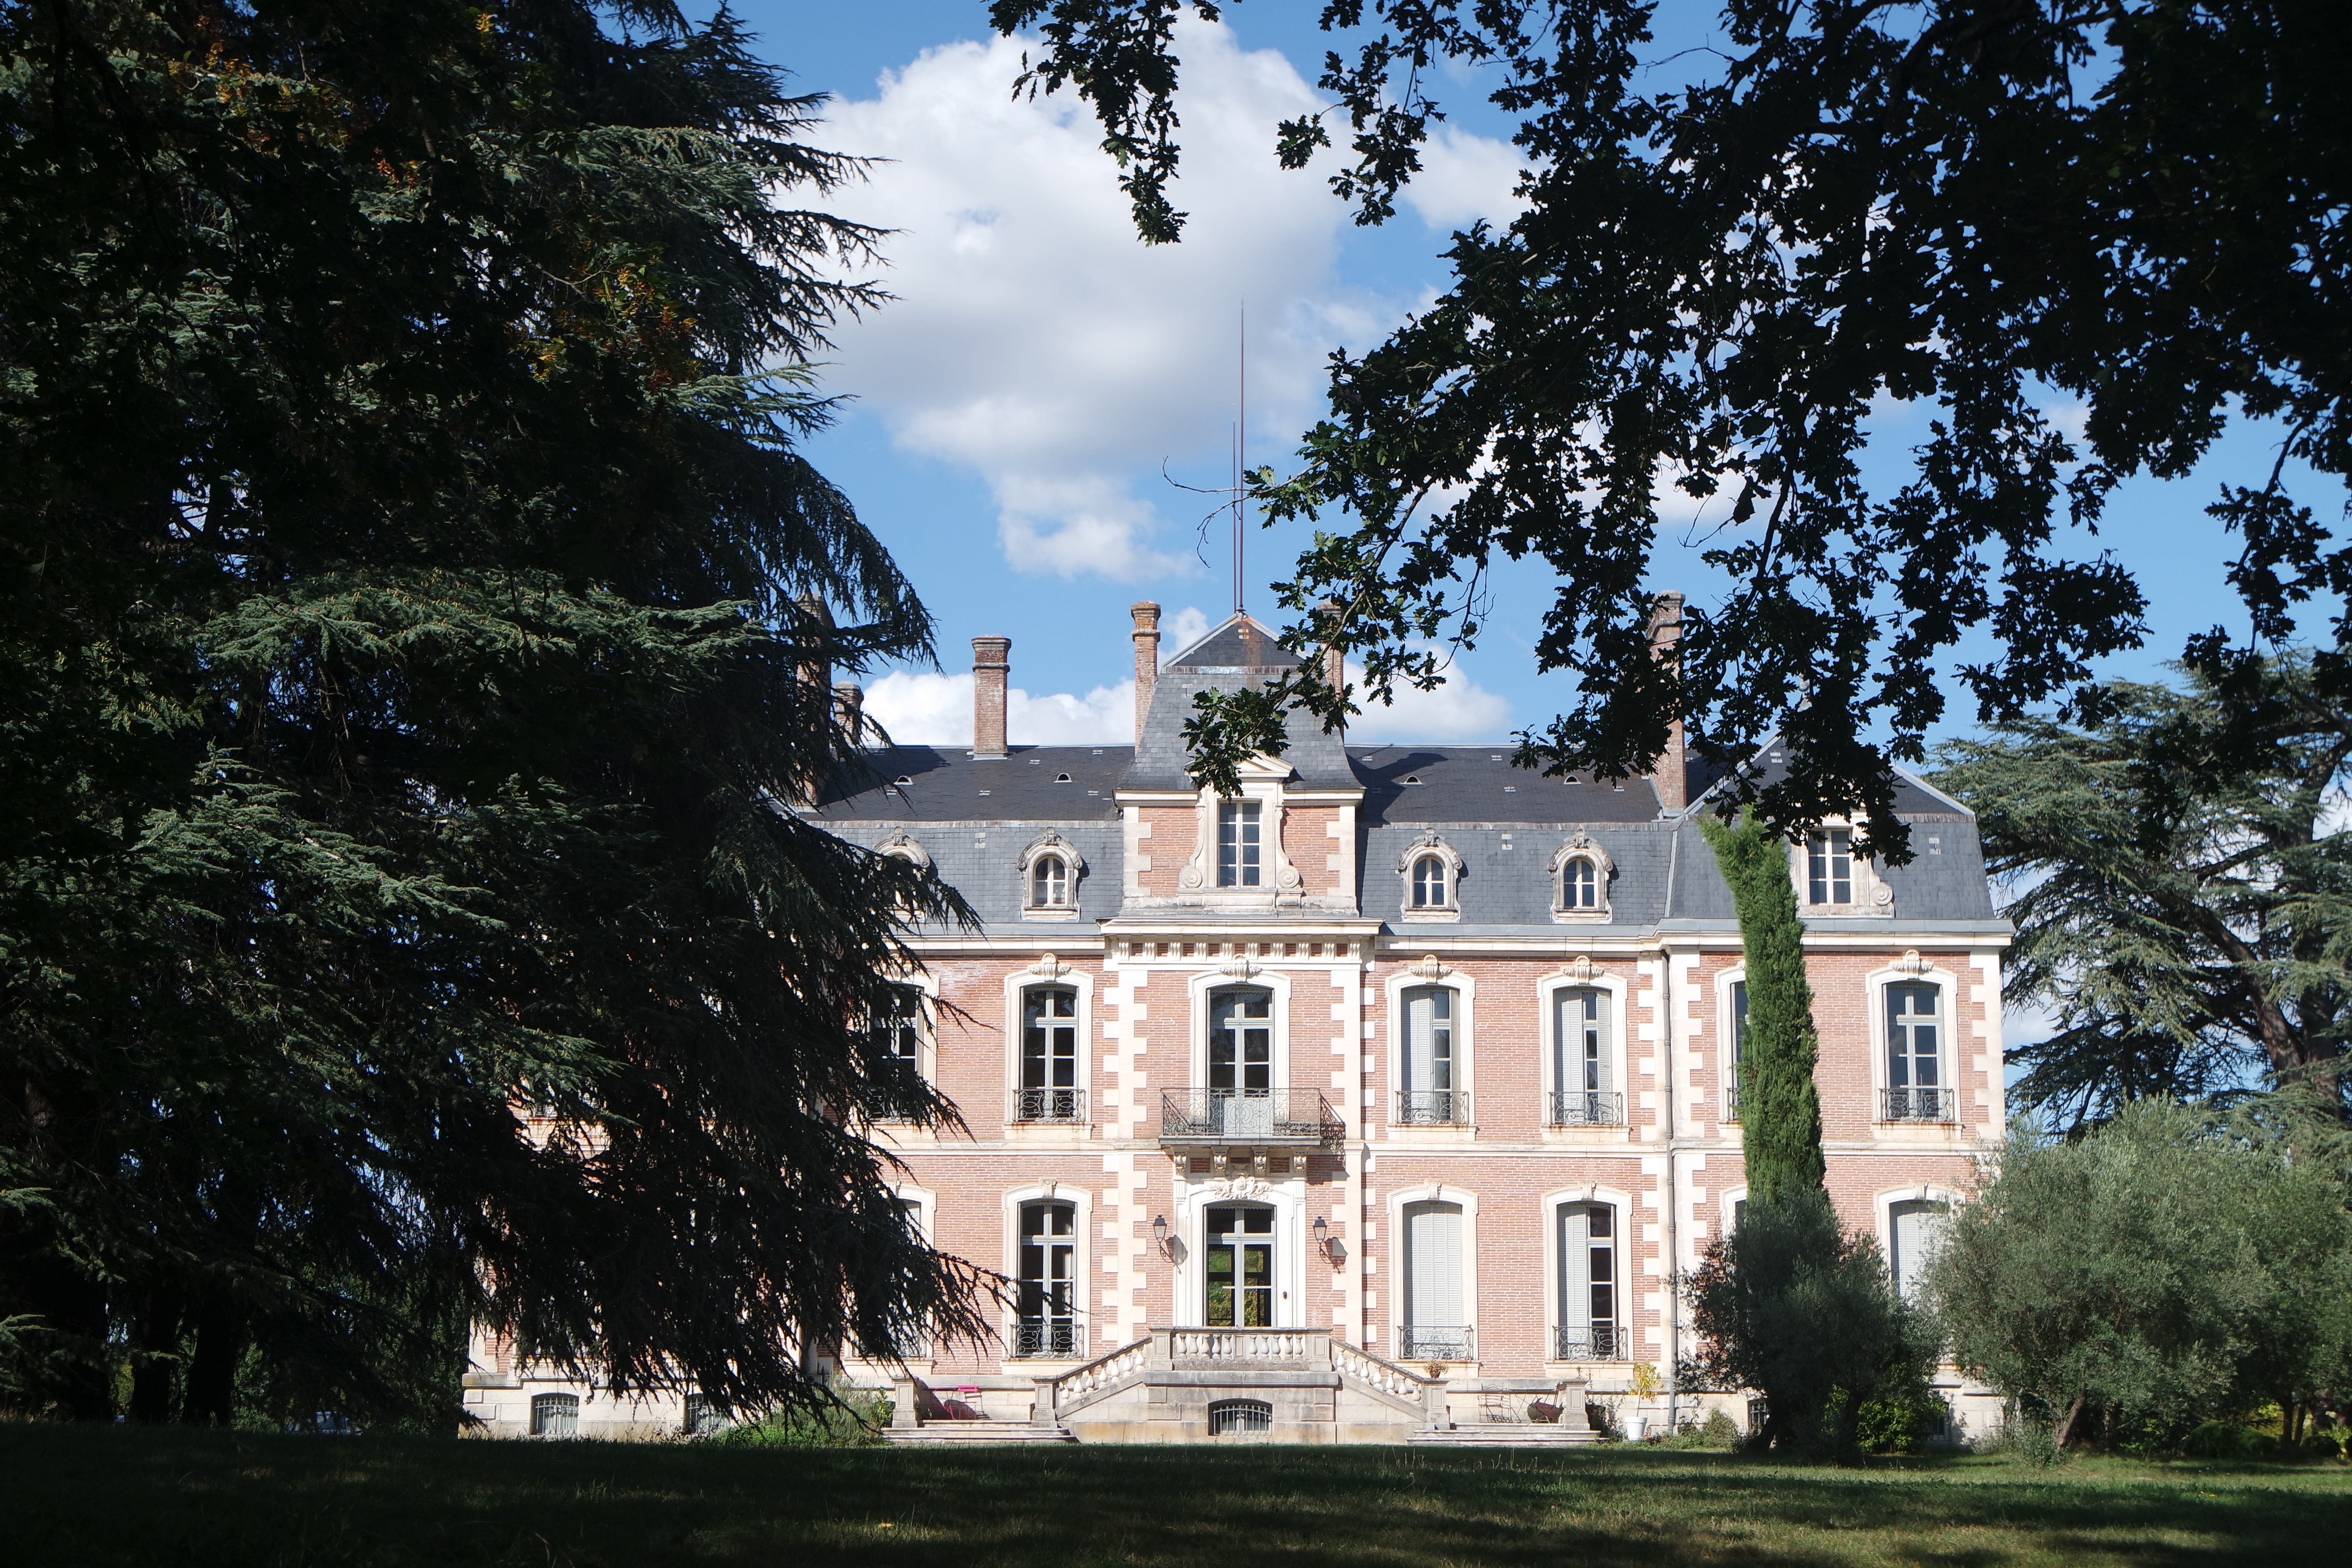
(901, 846)
(1050, 870)
(1431, 870)
(1580, 873)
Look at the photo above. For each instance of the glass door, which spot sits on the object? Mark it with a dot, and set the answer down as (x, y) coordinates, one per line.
(1239, 1277)
(1241, 1063)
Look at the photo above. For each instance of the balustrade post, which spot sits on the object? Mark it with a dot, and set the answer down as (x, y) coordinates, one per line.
(1040, 1412)
(903, 1411)
(1572, 1391)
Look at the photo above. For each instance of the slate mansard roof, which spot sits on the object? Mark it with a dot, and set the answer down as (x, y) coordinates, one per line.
(978, 817)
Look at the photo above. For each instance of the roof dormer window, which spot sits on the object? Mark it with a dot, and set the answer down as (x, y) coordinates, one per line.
(1050, 870)
(1580, 871)
(1432, 869)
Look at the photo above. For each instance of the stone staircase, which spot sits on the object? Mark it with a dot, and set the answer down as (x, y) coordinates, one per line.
(957, 1434)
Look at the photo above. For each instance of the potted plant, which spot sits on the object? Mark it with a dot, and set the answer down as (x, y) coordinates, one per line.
(1646, 1387)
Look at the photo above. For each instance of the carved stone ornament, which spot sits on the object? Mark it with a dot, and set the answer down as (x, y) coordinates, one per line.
(1049, 967)
(1239, 1187)
(1884, 897)
(1240, 968)
(1052, 843)
(1912, 964)
(1582, 967)
(1430, 843)
(905, 847)
(1431, 967)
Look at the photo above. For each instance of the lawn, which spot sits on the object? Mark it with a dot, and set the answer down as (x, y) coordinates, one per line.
(93, 1497)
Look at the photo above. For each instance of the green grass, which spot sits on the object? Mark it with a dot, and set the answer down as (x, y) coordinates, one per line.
(93, 1497)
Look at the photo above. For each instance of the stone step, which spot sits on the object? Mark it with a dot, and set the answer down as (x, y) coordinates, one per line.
(1502, 1435)
(948, 1433)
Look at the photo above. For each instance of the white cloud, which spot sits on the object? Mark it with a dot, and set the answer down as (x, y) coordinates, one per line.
(923, 708)
(1185, 627)
(1039, 342)
(1460, 709)
(1464, 178)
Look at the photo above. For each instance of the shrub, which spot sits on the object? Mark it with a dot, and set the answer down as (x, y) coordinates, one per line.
(2227, 1440)
(855, 1422)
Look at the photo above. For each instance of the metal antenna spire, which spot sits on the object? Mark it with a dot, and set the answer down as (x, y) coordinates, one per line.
(1241, 461)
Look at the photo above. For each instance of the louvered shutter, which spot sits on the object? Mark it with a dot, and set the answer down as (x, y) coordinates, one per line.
(1418, 1020)
(1575, 1269)
(1599, 1025)
(1434, 1264)
(1917, 1230)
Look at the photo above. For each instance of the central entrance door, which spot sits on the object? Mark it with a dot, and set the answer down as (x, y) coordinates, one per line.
(1241, 1267)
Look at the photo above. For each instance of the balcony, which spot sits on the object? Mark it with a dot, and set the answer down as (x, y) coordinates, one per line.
(1048, 1341)
(1928, 1105)
(1590, 1342)
(1431, 1107)
(1436, 1341)
(1731, 1103)
(1588, 1107)
(1225, 1120)
(1048, 1105)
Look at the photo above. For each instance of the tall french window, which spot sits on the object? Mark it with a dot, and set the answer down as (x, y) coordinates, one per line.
(1436, 1324)
(1915, 1083)
(1427, 1092)
(1829, 866)
(1587, 1283)
(1048, 1324)
(1583, 1088)
(1049, 1054)
(1238, 846)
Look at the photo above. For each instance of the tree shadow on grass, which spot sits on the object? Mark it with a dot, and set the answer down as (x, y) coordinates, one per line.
(116, 1496)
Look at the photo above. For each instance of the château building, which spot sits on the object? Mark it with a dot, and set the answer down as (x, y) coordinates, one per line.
(1381, 1101)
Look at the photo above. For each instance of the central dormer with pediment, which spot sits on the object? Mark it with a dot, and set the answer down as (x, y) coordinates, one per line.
(1286, 844)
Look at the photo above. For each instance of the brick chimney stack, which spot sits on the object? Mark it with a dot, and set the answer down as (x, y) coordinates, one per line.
(1334, 663)
(849, 711)
(1666, 642)
(1147, 659)
(816, 665)
(990, 671)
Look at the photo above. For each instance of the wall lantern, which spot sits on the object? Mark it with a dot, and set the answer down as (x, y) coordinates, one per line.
(1323, 1236)
(1159, 1231)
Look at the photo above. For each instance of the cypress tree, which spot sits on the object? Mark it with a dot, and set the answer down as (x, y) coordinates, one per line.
(403, 542)
(1779, 1108)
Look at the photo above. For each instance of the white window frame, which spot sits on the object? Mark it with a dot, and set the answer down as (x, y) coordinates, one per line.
(1448, 909)
(1871, 897)
(1074, 869)
(1582, 845)
(1548, 1030)
(1726, 1063)
(1082, 1265)
(1429, 971)
(1047, 972)
(1948, 1058)
(1628, 1266)
(1431, 1193)
(1202, 987)
(1292, 1246)
(1884, 1202)
(927, 1055)
(1261, 782)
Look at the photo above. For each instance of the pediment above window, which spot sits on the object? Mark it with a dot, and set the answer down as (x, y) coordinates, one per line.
(903, 846)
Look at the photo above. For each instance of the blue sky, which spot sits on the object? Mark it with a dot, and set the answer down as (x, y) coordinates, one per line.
(1013, 413)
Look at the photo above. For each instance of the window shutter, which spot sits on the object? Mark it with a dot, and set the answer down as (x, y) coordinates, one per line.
(1434, 1264)
(1418, 1007)
(1917, 1230)
(1600, 1023)
(1575, 1268)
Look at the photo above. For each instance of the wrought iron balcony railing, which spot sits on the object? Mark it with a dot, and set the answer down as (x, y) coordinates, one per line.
(1262, 1116)
(1731, 1101)
(1431, 1107)
(1590, 1341)
(1048, 1338)
(1049, 1105)
(1917, 1105)
(1588, 1107)
(1437, 1341)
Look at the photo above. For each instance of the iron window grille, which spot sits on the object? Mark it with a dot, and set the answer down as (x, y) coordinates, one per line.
(1588, 1107)
(1589, 1342)
(1437, 1341)
(1239, 1417)
(1049, 1105)
(1917, 1105)
(1432, 1108)
(555, 1415)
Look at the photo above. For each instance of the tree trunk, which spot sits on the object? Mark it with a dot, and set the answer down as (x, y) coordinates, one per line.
(212, 1374)
(2058, 1434)
(154, 1371)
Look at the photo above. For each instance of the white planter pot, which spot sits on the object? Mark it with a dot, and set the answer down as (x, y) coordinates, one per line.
(1636, 1428)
